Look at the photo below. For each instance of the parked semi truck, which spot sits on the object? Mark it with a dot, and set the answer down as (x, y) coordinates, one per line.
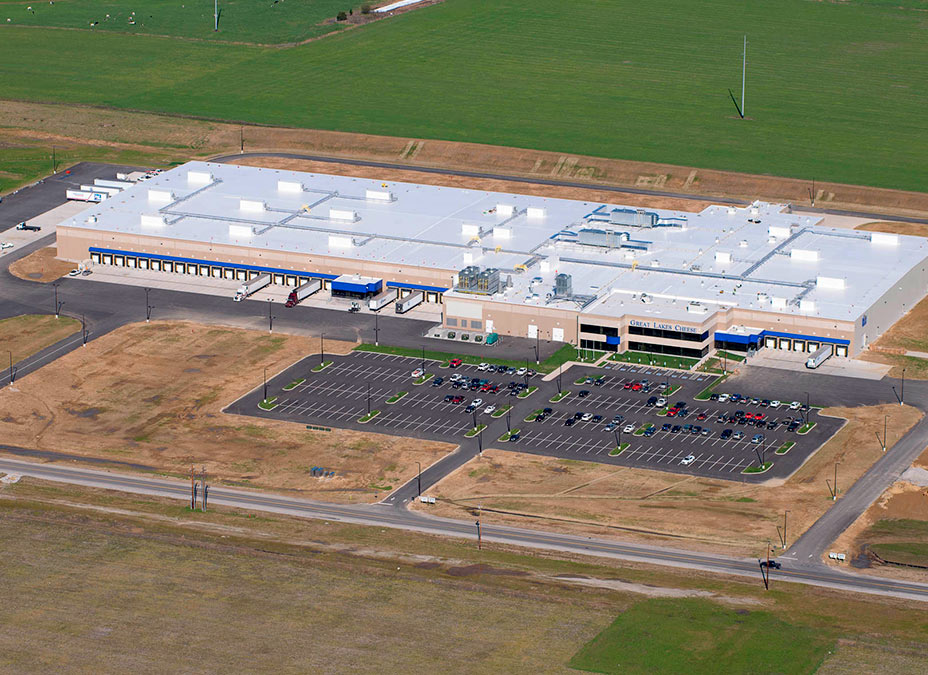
(382, 300)
(249, 287)
(302, 292)
(85, 196)
(819, 357)
(407, 303)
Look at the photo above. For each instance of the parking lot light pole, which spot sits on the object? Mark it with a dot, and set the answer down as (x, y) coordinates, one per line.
(902, 389)
(474, 411)
(784, 527)
(11, 369)
(270, 317)
(148, 306)
(618, 437)
(57, 306)
(368, 399)
(83, 332)
(423, 363)
(321, 348)
(376, 329)
(419, 479)
(508, 425)
(537, 340)
(265, 383)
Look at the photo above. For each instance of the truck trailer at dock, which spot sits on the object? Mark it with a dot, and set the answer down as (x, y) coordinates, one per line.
(382, 300)
(409, 302)
(251, 286)
(303, 291)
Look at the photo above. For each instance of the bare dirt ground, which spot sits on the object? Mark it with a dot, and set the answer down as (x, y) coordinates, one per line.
(153, 394)
(913, 229)
(41, 266)
(902, 500)
(193, 138)
(658, 507)
(910, 333)
(26, 335)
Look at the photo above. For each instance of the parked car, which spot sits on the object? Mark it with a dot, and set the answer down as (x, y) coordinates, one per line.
(771, 564)
(489, 410)
(514, 437)
(726, 434)
(28, 228)
(583, 393)
(689, 459)
(586, 417)
(438, 381)
(569, 422)
(418, 372)
(454, 363)
(629, 428)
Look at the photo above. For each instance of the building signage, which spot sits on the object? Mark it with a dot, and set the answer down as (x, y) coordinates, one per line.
(663, 326)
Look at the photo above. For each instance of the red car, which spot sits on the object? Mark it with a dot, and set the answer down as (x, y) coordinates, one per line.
(627, 385)
(701, 416)
(636, 386)
(454, 363)
(673, 412)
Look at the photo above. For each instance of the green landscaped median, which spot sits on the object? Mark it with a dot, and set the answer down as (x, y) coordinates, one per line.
(805, 428)
(293, 385)
(476, 430)
(322, 366)
(397, 396)
(268, 403)
(368, 417)
(527, 392)
(499, 412)
(707, 392)
(560, 396)
(618, 450)
(671, 390)
(505, 437)
(561, 356)
(758, 469)
(640, 431)
(783, 449)
(531, 416)
(647, 359)
(422, 380)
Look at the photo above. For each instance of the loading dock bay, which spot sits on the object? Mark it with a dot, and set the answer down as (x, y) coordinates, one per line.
(337, 396)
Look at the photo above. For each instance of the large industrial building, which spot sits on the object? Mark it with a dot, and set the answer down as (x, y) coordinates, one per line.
(597, 275)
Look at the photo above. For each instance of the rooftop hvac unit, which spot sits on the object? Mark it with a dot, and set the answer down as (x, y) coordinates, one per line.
(535, 213)
(633, 217)
(777, 231)
(240, 231)
(467, 277)
(563, 285)
(830, 282)
(160, 196)
(336, 241)
(502, 232)
(778, 303)
(488, 281)
(723, 257)
(806, 305)
(803, 255)
(646, 299)
(378, 195)
(697, 308)
(289, 187)
(252, 205)
(505, 210)
(342, 214)
(470, 230)
(604, 238)
(151, 221)
(199, 178)
(884, 239)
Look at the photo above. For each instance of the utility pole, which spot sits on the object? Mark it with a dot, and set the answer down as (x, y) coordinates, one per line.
(242, 139)
(83, 332)
(744, 70)
(902, 389)
(215, 15)
(508, 425)
(480, 445)
(205, 493)
(368, 398)
(784, 528)
(193, 489)
(12, 373)
(321, 348)
(419, 478)
(57, 304)
(479, 539)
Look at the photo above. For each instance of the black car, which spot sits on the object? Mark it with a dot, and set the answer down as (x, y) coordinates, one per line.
(437, 381)
(675, 429)
(772, 564)
(726, 434)
(599, 382)
(514, 437)
(597, 418)
(449, 398)
(584, 393)
(569, 422)
(548, 411)
(713, 397)
(651, 402)
(578, 415)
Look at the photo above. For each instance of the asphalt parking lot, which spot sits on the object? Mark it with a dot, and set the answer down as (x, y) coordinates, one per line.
(339, 395)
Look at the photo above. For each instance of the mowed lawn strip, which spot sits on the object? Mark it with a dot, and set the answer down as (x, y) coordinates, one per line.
(693, 635)
(478, 63)
(29, 334)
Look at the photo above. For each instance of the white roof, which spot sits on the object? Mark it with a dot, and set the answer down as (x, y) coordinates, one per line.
(759, 257)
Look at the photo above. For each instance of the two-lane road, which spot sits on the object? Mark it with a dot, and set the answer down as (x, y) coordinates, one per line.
(386, 516)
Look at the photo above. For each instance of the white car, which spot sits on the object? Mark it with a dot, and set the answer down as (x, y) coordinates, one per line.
(5, 245)
(477, 402)
(795, 405)
(724, 397)
(418, 372)
(586, 417)
(775, 404)
(74, 273)
(661, 402)
(629, 428)
(689, 459)
(490, 409)
(483, 366)
(521, 371)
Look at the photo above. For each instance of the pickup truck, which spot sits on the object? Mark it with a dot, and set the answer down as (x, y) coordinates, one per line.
(28, 228)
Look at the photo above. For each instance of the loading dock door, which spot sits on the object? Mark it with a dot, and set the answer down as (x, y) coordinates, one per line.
(770, 342)
(840, 350)
(785, 343)
(799, 345)
(532, 330)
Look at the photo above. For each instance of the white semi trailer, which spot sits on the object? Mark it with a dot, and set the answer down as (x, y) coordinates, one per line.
(407, 303)
(85, 196)
(382, 300)
(303, 291)
(821, 355)
(249, 287)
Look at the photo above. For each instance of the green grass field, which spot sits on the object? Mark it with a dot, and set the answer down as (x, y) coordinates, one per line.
(835, 90)
(261, 21)
(698, 636)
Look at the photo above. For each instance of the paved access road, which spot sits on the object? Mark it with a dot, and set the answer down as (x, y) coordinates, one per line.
(557, 183)
(385, 516)
(587, 425)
